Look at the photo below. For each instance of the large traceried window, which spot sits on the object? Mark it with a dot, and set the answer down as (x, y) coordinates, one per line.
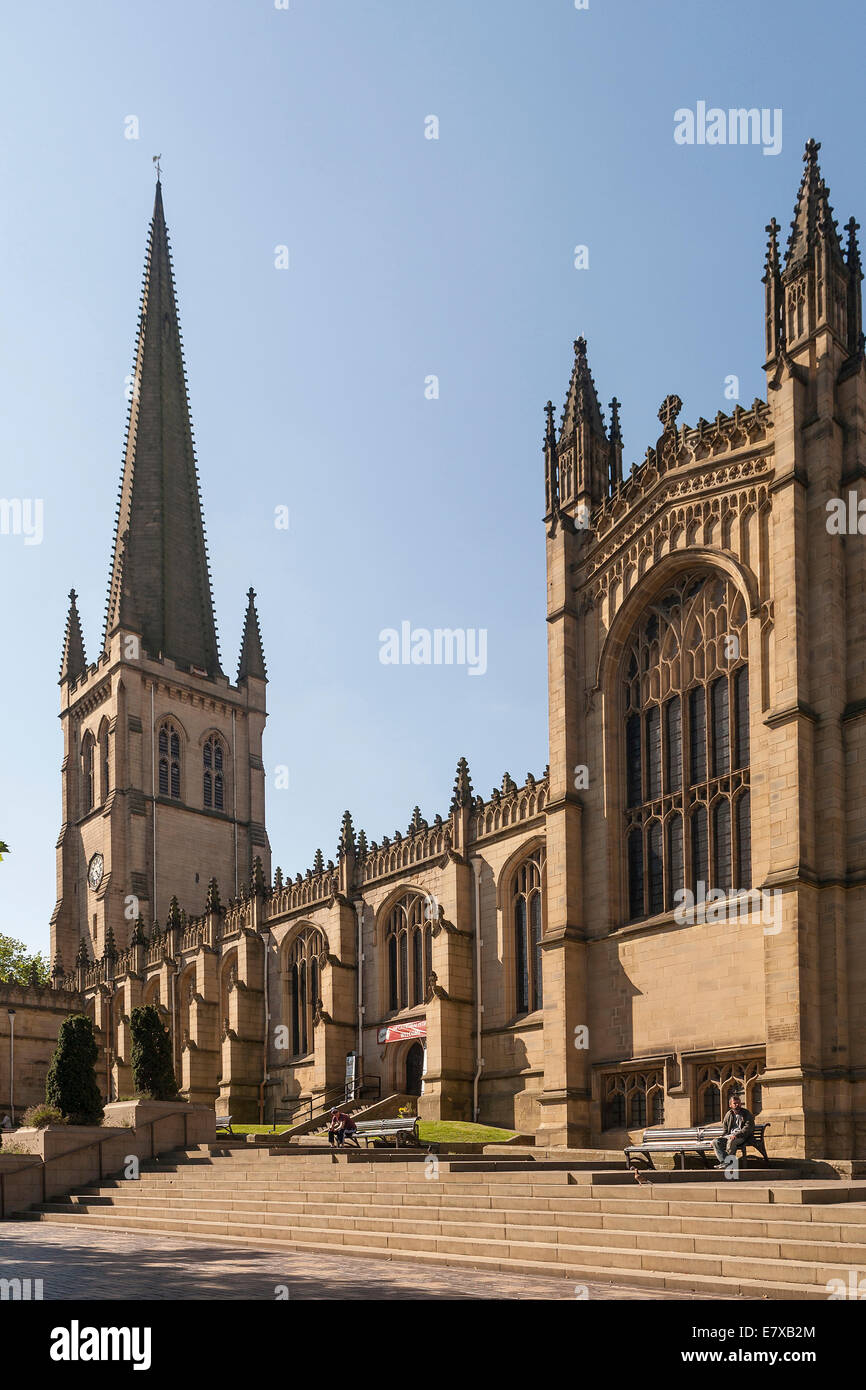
(409, 945)
(528, 931)
(686, 745)
(213, 777)
(169, 762)
(303, 968)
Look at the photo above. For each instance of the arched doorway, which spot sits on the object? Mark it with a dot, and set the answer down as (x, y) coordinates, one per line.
(414, 1069)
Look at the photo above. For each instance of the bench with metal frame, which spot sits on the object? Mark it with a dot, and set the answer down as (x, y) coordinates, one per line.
(697, 1140)
(402, 1131)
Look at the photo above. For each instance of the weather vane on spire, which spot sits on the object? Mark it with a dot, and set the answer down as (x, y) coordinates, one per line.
(156, 159)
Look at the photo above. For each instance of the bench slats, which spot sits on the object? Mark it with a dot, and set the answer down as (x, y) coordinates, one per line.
(698, 1140)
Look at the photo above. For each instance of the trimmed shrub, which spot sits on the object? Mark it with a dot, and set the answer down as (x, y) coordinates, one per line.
(71, 1085)
(38, 1116)
(152, 1067)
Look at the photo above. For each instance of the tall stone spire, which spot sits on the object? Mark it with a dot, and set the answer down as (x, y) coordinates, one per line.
(74, 662)
(252, 659)
(160, 581)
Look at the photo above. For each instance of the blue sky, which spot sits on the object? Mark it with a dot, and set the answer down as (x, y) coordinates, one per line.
(408, 257)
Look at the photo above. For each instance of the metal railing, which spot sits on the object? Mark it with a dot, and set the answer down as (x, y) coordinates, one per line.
(297, 1112)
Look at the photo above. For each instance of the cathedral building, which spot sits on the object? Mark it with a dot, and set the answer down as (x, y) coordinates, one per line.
(676, 908)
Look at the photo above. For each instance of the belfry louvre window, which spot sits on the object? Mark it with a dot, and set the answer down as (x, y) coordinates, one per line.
(686, 746)
(213, 788)
(303, 964)
(87, 745)
(528, 931)
(409, 942)
(169, 762)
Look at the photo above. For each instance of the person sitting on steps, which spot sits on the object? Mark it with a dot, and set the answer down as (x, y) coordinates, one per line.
(739, 1130)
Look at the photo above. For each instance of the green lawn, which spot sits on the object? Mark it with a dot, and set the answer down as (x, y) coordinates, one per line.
(257, 1129)
(455, 1132)
(430, 1131)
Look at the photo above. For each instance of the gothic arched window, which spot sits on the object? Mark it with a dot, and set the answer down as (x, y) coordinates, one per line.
(169, 762)
(409, 941)
(527, 912)
(632, 1100)
(213, 776)
(686, 745)
(717, 1082)
(303, 970)
(87, 746)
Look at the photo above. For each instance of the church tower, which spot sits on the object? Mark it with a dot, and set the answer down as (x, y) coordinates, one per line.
(706, 824)
(163, 779)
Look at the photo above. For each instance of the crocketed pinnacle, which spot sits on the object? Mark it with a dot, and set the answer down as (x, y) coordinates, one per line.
(252, 658)
(73, 663)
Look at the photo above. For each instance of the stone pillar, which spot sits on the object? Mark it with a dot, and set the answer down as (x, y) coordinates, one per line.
(566, 1097)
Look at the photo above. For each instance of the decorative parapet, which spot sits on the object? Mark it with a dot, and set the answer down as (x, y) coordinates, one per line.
(304, 892)
(685, 446)
(422, 844)
(509, 807)
(405, 852)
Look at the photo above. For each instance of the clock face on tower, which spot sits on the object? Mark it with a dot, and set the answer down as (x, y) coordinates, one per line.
(94, 871)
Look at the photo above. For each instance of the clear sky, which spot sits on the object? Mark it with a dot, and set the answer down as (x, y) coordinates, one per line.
(408, 257)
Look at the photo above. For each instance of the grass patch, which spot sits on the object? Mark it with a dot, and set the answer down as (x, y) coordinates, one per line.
(256, 1129)
(456, 1132)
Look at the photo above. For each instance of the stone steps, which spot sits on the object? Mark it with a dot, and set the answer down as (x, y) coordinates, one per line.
(760, 1239)
(509, 1226)
(649, 1268)
(769, 1226)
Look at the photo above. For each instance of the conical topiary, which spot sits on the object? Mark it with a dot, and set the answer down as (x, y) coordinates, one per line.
(71, 1085)
(152, 1066)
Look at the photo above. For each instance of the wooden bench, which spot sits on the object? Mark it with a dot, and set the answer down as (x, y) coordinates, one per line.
(698, 1140)
(402, 1131)
(224, 1122)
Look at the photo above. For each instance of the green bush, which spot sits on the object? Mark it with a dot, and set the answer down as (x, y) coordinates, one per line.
(38, 1116)
(71, 1085)
(152, 1067)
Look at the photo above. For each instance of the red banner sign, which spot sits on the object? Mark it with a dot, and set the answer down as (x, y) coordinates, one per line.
(398, 1032)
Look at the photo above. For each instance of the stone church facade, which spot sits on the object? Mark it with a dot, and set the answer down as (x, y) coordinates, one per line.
(533, 958)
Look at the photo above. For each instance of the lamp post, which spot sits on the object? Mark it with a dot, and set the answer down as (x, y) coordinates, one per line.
(11, 1013)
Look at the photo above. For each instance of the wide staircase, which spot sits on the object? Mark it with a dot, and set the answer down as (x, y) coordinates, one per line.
(764, 1236)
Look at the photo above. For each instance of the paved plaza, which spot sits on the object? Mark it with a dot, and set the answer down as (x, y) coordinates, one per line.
(78, 1264)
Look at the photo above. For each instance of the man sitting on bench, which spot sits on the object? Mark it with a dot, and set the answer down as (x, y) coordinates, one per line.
(739, 1127)
(341, 1127)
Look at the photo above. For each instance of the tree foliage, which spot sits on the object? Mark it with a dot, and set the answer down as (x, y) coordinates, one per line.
(71, 1086)
(152, 1066)
(18, 966)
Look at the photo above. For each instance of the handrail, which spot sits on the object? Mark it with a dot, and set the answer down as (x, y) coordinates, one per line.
(325, 1100)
